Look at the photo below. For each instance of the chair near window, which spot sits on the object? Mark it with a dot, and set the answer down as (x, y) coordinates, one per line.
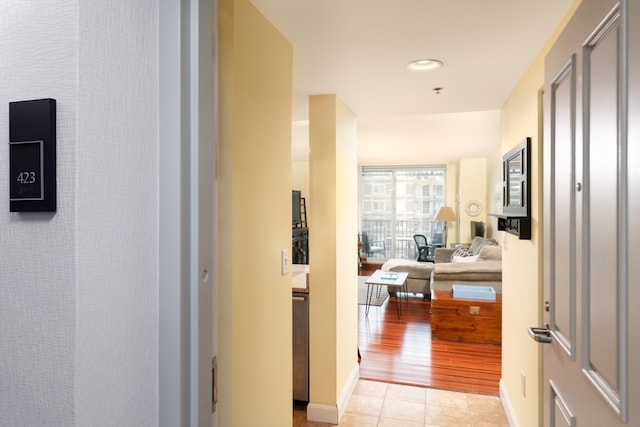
(372, 247)
(437, 239)
(426, 250)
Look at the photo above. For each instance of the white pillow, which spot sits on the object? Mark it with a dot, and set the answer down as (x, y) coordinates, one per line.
(472, 258)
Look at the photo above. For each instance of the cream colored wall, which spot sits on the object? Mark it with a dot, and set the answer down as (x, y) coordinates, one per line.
(521, 290)
(452, 200)
(472, 186)
(494, 192)
(333, 232)
(522, 259)
(254, 304)
(346, 246)
(300, 177)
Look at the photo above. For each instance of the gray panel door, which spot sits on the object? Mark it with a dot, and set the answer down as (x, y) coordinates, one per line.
(591, 158)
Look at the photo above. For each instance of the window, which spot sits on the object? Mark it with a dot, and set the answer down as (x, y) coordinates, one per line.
(378, 189)
(398, 202)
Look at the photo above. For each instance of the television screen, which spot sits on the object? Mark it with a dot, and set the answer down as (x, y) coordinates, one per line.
(477, 229)
(295, 207)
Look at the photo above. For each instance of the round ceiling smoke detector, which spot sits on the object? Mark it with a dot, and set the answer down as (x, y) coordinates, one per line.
(424, 65)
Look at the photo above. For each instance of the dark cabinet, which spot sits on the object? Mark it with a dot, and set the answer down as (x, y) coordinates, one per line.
(301, 346)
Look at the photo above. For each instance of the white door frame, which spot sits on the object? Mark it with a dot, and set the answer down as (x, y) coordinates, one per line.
(187, 270)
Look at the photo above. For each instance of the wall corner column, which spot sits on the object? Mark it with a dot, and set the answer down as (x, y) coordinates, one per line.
(333, 236)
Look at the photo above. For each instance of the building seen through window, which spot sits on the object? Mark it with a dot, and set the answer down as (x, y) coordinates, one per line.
(395, 204)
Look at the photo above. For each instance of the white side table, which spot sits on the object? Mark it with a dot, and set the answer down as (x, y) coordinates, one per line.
(397, 279)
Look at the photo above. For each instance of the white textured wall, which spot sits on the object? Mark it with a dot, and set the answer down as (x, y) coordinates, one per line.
(78, 288)
(38, 270)
(117, 214)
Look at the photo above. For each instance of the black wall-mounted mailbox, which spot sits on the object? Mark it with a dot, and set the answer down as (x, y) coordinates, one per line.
(32, 155)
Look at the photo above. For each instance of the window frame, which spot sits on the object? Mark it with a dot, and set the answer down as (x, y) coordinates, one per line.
(394, 235)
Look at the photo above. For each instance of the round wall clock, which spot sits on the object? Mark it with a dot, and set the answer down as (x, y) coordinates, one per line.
(473, 208)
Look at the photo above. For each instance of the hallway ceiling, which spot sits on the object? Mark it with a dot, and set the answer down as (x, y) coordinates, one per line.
(358, 49)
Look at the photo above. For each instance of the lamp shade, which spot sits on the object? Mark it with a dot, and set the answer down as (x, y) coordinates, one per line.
(446, 214)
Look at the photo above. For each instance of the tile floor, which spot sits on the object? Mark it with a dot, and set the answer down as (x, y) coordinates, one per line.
(376, 404)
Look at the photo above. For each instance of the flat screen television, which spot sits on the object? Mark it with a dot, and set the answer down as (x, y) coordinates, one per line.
(296, 218)
(477, 229)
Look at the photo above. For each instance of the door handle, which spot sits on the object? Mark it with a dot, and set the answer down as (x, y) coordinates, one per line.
(542, 335)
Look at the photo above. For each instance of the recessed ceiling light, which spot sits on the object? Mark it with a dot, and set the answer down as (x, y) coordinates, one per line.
(424, 65)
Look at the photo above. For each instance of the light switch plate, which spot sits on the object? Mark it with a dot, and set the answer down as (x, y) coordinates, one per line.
(284, 262)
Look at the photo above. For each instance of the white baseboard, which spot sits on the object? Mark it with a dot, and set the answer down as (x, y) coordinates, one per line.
(322, 413)
(508, 408)
(332, 413)
(347, 391)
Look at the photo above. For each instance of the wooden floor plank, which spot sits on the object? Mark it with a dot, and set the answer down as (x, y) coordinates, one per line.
(402, 351)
